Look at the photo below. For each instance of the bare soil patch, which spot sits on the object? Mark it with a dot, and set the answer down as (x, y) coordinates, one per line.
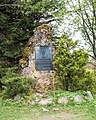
(58, 116)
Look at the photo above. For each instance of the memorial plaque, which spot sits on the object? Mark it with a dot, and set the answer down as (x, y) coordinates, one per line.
(43, 58)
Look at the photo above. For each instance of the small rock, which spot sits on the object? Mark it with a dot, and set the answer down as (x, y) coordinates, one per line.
(37, 100)
(17, 98)
(89, 95)
(63, 100)
(55, 109)
(38, 94)
(45, 110)
(78, 98)
(31, 102)
(46, 101)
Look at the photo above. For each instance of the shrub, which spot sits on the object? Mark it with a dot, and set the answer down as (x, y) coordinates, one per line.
(70, 63)
(4, 72)
(88, 81)
(17, 84)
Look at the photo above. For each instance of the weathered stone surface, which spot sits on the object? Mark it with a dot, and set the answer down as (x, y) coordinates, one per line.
(63, 100)
(39, 94)
(17, 98)
(27, 72)
(89, 95)
(46, 101)
(78, 98)
(41, 37)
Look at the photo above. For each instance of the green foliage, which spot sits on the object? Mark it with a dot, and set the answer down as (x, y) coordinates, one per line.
(16, 84)
(69, 63)
(88, 80)
(13, 34)
(18, 19)
(4, 72)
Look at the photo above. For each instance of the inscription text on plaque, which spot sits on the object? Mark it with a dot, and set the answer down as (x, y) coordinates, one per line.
(43, 58)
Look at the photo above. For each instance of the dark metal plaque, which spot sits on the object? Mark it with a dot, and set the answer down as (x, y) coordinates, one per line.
(43, 58)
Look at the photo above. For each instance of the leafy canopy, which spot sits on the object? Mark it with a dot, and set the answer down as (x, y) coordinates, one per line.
(81, 15)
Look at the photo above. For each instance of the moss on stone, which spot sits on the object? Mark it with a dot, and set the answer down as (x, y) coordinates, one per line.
(27, 52)
(23, 62)
(45, 26)
(49, 36)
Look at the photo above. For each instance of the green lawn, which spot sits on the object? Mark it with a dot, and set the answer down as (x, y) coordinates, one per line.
(85, 110)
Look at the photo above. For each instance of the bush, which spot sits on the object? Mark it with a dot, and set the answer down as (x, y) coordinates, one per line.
(17, 84)
(4, 72)
(70, 64)
(88, 82)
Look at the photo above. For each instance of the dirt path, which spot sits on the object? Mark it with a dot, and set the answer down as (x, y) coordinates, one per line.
(58, 116)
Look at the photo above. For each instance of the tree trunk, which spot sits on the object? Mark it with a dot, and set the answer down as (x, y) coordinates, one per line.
(66, 86)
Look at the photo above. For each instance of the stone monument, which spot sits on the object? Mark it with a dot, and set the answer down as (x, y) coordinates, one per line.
(37, 58)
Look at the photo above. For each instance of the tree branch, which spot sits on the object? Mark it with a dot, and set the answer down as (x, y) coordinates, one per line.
(92, 57)
(8, 5)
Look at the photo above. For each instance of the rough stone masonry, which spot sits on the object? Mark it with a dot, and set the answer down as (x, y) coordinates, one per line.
(42, 37)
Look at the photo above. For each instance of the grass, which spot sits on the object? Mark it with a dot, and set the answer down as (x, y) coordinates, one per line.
(85, 110)
(18, 112)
